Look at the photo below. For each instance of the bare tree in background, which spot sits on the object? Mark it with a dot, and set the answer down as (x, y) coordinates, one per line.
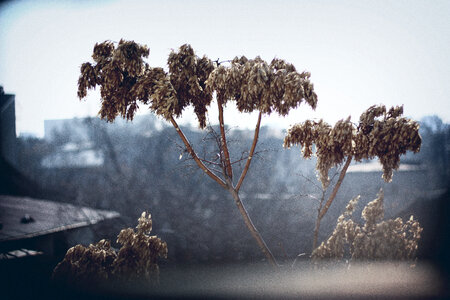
(126, 81)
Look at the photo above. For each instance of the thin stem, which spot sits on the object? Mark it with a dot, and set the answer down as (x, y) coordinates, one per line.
(210, 162)
(311, 182)
(239, 160)
(336, 188)
(317, 227)
(316, 233)
(226, 154)
(250, 155)
(255, 233)
(194, 155)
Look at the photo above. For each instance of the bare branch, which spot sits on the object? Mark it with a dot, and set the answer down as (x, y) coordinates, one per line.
(224, 146)
(214, 136)
(250, 155)
(336, 187)
(310, 181)
(210, 162)
(194, 156)
(335, 174)
(244, 157)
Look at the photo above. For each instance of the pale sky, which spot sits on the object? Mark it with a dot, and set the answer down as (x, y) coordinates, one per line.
(359, 53)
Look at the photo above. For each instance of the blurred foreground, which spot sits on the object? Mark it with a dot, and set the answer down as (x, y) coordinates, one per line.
(357, 281)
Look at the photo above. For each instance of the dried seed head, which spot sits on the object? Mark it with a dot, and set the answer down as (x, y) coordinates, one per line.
(256, 85)
(381, 134)
(333, 144)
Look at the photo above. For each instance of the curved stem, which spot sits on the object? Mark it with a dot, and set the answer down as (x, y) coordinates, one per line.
(250, 155)
(255, 233)
(194, 155)
(336, 188)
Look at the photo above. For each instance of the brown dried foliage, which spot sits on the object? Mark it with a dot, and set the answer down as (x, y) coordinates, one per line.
(125, 80)
(255, 84)
(136, 259)
(380, 133)
(375, 240)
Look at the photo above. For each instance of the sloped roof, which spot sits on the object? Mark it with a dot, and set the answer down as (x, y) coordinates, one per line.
(45, 217)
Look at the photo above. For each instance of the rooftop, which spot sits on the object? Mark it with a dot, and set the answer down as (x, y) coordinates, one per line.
(22, 217)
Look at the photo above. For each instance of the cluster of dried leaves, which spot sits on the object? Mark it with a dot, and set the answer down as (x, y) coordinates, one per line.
(125, 80)
(136, 259)
(380, 133)
(376, 239)
(256, 85)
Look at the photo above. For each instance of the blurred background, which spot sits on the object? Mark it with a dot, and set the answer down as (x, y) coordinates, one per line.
(96, 178)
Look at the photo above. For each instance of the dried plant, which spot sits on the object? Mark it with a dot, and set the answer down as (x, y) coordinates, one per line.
(136, 259)
(125, 80)
(375, 240)
(380, 133)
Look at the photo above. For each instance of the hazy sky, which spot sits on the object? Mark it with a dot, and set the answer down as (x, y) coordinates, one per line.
(360, 53)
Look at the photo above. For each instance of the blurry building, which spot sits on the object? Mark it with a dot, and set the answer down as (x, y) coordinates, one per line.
(11, 180)
(7, 127)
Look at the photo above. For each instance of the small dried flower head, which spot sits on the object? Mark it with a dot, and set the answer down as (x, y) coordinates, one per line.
(350, 208)
(386, 135)
(333, 144)
(145, 223)
(374, 211)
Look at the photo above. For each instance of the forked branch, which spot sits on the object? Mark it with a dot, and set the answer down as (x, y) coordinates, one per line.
(336, 188)
(323, 210)
(194, 155)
